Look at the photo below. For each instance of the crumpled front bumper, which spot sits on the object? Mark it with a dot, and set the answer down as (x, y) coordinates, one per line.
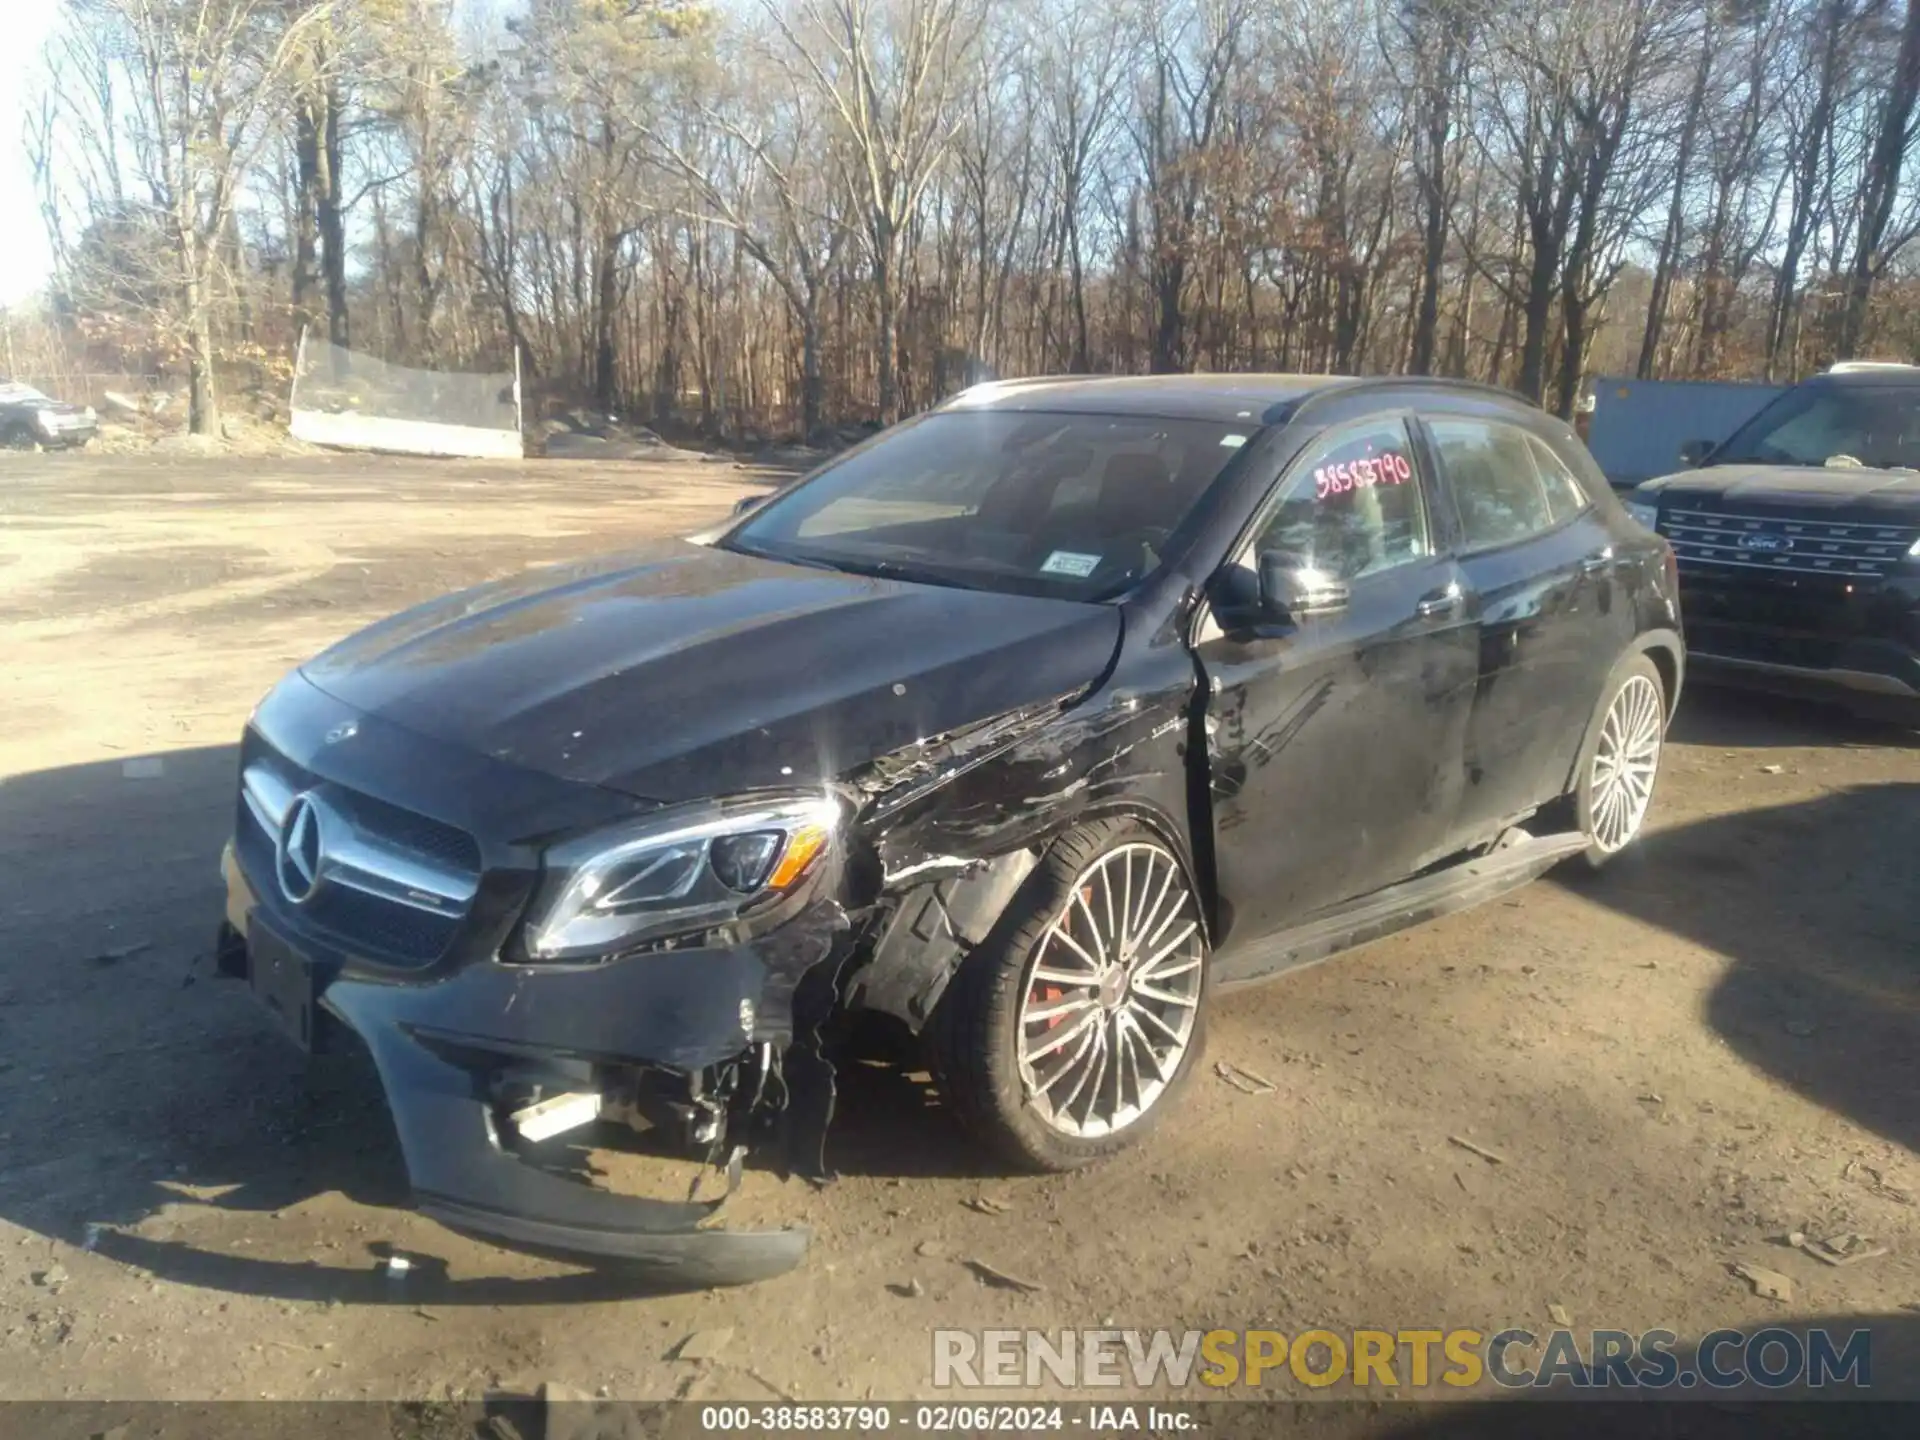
(436, 1039)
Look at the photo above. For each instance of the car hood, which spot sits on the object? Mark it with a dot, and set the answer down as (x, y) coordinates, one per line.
(1800, 486)
(685, 671)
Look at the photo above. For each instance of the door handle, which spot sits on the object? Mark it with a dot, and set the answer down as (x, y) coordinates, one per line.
(1440, 602)
(1595, 563)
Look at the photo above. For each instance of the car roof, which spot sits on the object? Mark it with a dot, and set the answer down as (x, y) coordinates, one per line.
(1866, 377)
(1268, 399)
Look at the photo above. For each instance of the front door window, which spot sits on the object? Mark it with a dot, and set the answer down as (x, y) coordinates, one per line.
(1352, 504)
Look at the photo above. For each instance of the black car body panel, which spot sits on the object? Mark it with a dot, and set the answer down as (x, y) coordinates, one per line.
(1288, 766)
(1381, 701)
(1805, 578)
(1864, 495)
(705, 672)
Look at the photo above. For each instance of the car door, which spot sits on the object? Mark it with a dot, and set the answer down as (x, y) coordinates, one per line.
(1334, 744)
(1538, 561)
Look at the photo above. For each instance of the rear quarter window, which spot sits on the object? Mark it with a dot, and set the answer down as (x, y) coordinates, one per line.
(1566, 496)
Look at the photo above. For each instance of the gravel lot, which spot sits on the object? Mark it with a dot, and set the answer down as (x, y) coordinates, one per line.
(1677, 1063)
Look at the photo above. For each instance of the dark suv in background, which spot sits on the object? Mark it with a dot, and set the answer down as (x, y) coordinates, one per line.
(1798, 542)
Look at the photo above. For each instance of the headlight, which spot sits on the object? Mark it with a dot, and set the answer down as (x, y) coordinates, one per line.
(1648, 514)
(681, 871)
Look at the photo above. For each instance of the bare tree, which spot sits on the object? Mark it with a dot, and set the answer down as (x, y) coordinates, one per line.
(825, 210)
(765, 173)
(890, 70)
(1194, 58)
(201, 80)
(1434, 37)
(1876, 237)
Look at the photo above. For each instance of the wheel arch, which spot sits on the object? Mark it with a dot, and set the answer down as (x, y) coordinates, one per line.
(936, 923)
(1173, 832)
(1667, 652)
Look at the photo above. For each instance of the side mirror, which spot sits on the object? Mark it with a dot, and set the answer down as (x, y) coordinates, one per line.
(746, 503)
(1695, 452)
(1292, 588)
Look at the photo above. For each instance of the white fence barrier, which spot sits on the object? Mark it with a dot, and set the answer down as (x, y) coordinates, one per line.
(347, 400)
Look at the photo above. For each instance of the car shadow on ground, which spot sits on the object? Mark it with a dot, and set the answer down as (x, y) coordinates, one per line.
(1757, 719)
(138, 1080)
(1820, 990)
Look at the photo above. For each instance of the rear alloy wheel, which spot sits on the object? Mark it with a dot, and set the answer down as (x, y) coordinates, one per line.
(1072, 1028)
(1620, 763)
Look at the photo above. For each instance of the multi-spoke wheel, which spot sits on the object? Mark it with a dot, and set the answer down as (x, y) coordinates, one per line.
(1620, 762)
(1112, 995)
(1625, 762)
(1069, 1030)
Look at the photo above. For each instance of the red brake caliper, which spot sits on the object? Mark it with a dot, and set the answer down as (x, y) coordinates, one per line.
(1051, 993)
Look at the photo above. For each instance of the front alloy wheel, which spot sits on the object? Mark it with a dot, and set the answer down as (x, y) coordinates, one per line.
(1074, 1026)
(1112, 994)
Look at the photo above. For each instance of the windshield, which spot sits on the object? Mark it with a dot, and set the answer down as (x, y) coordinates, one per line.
(1833, 425)
(19, 395)
(1076, 506)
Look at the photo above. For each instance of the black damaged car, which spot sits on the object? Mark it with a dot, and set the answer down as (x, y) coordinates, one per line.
(1037, 724)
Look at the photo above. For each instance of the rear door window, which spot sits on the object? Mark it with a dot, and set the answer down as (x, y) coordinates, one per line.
(1496, 481)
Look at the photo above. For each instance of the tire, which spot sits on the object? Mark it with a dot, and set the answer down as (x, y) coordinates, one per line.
(1047, 1101)
(1609, 805)
(18, 437)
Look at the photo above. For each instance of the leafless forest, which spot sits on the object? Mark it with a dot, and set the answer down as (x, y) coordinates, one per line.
(771, 216)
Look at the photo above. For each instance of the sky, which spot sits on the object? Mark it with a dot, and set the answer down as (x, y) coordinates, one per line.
(24, 257)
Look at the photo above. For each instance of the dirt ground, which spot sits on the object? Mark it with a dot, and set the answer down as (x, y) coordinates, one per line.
(1677, 1063)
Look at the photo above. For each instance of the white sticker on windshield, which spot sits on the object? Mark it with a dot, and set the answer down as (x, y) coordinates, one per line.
(1233, 442)
(1070, 562)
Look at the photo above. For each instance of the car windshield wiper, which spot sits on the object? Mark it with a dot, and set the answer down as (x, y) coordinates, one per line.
(853, 565)
(896, 570)
(808, 561)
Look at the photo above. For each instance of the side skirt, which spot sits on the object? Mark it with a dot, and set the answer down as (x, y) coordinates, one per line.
(1398, 907)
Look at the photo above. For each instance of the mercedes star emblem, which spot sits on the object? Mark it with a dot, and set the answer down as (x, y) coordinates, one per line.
(301, 851)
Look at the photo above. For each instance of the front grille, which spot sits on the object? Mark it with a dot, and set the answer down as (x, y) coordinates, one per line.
(1785, 544)
(394, 884)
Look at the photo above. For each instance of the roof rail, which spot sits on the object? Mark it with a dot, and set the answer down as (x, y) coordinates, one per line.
(985, 389)
(1850, 367)
(1438, 382)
